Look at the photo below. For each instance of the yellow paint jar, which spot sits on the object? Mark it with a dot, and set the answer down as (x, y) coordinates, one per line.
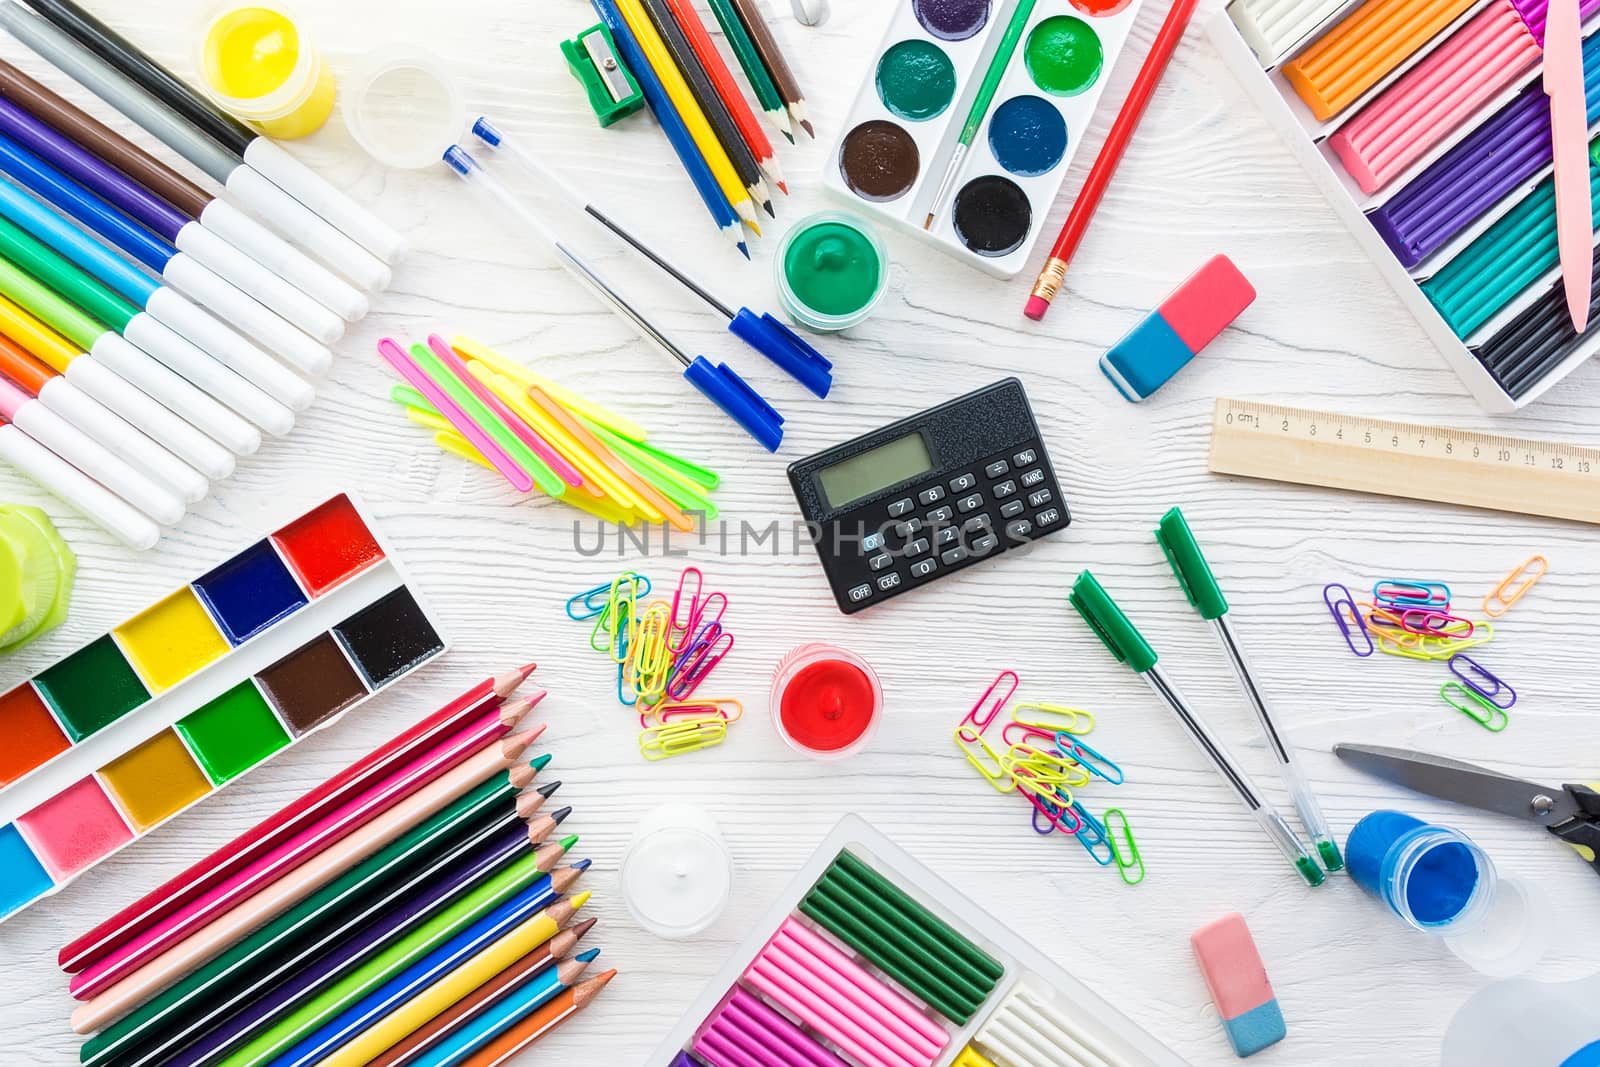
(259, 67)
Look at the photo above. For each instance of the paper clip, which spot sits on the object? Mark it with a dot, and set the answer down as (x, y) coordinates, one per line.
(1431, 622)
(1089, 759)
(1532, 569)
(649, 655)
(1026, 735)
(687, 623)
(1410, 593)
(1490, 716)
(1053, 719)
(586, 600)
(1351, 625)
(698, 660)
(1126, 860)
(1092, 835)
(1045, 766)
(620, 605)
(685, 735)
(1479, 677)
(1031, 783)
(980, 716)
(1053, 814)
(1378, 618)
(991, 766)
(627, 696)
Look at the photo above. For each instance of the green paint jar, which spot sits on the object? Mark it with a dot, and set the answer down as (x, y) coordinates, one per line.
(831, 270)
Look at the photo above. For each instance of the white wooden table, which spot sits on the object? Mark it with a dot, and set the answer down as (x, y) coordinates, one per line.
(1204, 175)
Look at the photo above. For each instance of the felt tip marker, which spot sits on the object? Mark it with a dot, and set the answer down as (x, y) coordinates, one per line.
(104, 508)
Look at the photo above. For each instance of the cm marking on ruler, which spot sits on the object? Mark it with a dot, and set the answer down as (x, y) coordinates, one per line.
(1406, 460)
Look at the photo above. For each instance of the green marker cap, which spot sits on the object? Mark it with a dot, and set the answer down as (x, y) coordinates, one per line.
(1110, 624)
(1189, 564)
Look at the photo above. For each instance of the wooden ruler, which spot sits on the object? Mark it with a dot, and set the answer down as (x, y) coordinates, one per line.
(1480, 470)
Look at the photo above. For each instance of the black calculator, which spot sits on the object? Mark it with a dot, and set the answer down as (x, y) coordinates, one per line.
(938, 491)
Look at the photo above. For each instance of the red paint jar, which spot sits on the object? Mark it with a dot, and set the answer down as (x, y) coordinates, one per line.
(826, 701)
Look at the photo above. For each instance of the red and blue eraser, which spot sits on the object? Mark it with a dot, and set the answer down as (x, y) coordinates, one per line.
(1175, 332)
(1238, 982)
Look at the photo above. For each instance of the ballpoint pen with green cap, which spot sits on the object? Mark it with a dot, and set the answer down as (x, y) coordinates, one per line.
(1126, 643)
(1200, 586)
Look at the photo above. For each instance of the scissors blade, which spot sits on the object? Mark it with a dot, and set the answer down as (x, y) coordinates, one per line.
(1464, 783)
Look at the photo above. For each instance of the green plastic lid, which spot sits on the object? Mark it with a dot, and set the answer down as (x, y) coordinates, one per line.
(36, 573)
(1189, 564)
(1110, 624)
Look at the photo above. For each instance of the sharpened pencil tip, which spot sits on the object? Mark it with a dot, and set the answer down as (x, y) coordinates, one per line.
(547, 791)
(583, 865)
(789, 135)
(588, 955)
(542, 761)
(568, 841)
(561, 815)
(805, 124)
(745, 249)
(766, 205)
(784, 187)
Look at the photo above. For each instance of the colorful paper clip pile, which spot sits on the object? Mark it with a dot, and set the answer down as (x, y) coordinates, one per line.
(535, 434)
(663, 650)
(1412, 618)
(1045, 759)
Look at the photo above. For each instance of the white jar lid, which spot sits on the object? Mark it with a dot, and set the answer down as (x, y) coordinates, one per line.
(678, 875)
(403, 106)
(1512, 934)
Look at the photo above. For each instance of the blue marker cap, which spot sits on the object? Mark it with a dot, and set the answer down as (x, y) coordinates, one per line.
(457, 159)
(784, 347)
(742, 404)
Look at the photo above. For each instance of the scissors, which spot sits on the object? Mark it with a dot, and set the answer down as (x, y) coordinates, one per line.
(1572, 812)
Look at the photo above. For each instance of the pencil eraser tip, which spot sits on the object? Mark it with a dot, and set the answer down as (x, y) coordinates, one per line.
(1037, 306)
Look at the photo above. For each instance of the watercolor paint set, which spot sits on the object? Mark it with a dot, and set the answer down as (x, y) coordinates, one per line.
(188, 695)
(868, 959)
(1427, 126)
(1005, 90)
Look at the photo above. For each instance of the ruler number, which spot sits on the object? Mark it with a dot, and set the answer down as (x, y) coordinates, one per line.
(1504, 455)
(1583, 466)
(1557, 463)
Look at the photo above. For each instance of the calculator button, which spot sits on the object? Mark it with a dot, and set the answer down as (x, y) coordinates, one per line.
(1019, 529)
(996, 469)
(1038, 498)
(930, 496)
(880, 561)
(947, 535)
(977, 522)
(908, 527)
(859, 593)
(940, 516)
(962, 482)
(922, 568)
(982, 546)
(1047, 517)
(872, 542)
(1025, 457)
(889, 581)
(917, 547)
(970, 502)
(899, 507)
(1005, 489)
(1032, 478)
(954, 556)
(1011, 509)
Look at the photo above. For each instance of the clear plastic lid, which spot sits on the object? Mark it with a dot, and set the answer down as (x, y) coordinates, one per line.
(403, 106)
(1511, 933)
(678, 875)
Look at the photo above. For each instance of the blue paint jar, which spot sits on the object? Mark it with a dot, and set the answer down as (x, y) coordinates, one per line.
(1443, 884)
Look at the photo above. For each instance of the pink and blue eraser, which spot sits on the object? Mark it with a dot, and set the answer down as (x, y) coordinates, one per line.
(1175, 332)
(1238, 982)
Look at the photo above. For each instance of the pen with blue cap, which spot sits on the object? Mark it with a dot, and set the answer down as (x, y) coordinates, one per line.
(1125, 642)
(762, 332)
(717, 382)
(1200, 586)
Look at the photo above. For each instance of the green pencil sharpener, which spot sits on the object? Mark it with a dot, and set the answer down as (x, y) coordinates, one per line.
(592, 58)
(36, 573)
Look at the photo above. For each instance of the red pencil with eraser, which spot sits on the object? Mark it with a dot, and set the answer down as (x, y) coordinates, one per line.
(1054, 271)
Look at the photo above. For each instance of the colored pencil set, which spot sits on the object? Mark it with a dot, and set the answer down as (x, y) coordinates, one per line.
(692, 92)
(1433, 120)
(535, 434)
(664, 650)
(143, 352)
(412, 909)
(877, 964)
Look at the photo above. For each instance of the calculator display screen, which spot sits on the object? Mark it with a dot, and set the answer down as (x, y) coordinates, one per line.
(875, 470)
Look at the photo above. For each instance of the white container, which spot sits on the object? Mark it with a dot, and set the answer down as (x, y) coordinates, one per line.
(678, 875)
(403, 106)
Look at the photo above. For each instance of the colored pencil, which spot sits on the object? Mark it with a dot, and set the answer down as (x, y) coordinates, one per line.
(162, 901)
(315, 1026)
(248, 184)
(450, 840)
(538, 1023)
(178, 381)
(450, 1022)
(672, 124)
(330, 204)
(87, 273)
(1054, 271)
(475, 742)
(677, 89)
(772, 58)
(183, 272)
(217, 216)
(704, 91)
(176, 959)
(143, 449)
(750, 128)
(755, 71)
(481, 968)
(532, 994)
